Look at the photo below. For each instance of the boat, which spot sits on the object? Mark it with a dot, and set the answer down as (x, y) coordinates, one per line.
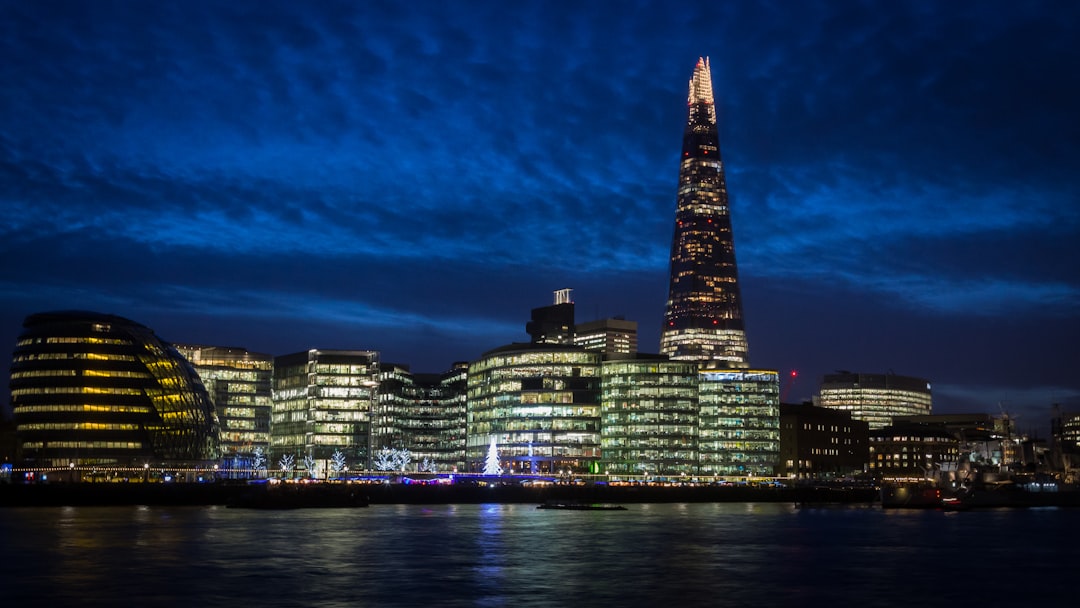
(299, 496)
(910, 496)
(581, 506)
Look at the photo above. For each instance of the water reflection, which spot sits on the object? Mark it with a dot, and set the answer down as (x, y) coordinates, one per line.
(516, 555)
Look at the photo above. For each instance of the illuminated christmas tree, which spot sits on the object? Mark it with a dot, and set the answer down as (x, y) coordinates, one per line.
(491, 465)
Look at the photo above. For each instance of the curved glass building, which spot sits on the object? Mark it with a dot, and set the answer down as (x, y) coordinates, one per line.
(96, 389)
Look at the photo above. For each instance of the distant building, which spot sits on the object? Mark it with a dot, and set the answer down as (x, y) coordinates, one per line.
(424, 414)
(649, 416)
(541, 404)
(704, 319)
(876, 398)
(238, 382)
(1065, 427)
(821, 443)
(553, 324)
(608, 336)
(323, 401)
(913, 451)
(91, 389)
(739, 422)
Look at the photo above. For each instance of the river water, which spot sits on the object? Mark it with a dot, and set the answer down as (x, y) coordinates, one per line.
(515, 555)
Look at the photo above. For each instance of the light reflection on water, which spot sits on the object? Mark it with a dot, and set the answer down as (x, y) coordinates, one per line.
(516, 555)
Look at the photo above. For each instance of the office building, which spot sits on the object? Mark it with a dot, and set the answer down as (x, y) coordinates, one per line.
(424, 414)
(238, 382)
(876, 398)
(323, 401)
(704, 320)
(615, 336)
(91, 389)
(649, 416)
(908, 450)
(553, 324)
(541, 405)
(739, 422)
(821, 443)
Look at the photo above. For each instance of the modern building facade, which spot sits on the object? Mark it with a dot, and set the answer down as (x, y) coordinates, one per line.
(424, 414)
(649, 416)
(91, 389)
(739, 422)
(704, 319)
(876, 398)
(615, 336)
(239, 384)
(541, 405)
(323, 401)
(821, 443)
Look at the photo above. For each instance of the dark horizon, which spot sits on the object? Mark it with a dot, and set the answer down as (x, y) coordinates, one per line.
(414, 179)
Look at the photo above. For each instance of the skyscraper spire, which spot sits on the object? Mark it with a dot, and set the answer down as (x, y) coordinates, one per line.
(703, 321)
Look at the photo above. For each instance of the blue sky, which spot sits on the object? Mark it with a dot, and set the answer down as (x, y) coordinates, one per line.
(415, 177)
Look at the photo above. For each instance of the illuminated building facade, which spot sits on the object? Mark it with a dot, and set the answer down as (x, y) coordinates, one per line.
(322, 402)
(541, 404)
(739, 422)
(424, 414)
(649, 416)
(608, 336)
(1065, 427)
(238, 382)
(92, 389)
(876, 398)
(704, 320)
(821, 443)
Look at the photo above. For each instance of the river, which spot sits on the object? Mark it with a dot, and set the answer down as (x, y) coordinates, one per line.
(516, 555)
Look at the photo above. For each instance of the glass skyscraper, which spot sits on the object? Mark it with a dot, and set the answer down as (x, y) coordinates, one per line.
(704, 320)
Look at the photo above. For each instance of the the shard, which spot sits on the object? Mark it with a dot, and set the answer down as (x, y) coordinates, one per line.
(704, 320)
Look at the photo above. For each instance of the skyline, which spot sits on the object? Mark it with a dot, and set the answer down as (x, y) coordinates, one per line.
(415, 179)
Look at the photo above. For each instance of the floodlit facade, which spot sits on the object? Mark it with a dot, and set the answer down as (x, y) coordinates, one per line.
(424, 414)
(704, 320)
(238, 382)
(323, 403)
(540, 403)
(91, 389)
(876, 398)
(649, 416)
(739, 422)
(615, 336)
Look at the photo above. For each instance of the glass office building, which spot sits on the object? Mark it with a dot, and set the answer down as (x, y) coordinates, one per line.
(424, 414)
(238, 382)
(649, 416)
(703, 320)
(91, 389)
(322, 403)
(739, 422)
(540, 403)
(876, 398)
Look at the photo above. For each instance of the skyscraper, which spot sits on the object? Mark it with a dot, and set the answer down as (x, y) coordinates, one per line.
(703, 321)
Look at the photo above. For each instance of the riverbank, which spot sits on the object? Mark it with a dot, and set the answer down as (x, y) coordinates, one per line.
(106, 494)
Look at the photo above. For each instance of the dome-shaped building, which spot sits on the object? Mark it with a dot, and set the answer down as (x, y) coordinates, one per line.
(96, 389)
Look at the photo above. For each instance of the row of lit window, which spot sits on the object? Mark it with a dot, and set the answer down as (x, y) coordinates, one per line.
(112, 409)
(70, 340)
(84, 445)
(84, 390)
(65, 356)
(76, 426)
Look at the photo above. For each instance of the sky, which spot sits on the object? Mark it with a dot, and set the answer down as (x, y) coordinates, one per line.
(415, 177)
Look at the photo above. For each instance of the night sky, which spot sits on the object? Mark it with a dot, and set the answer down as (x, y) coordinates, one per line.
(414, 177)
